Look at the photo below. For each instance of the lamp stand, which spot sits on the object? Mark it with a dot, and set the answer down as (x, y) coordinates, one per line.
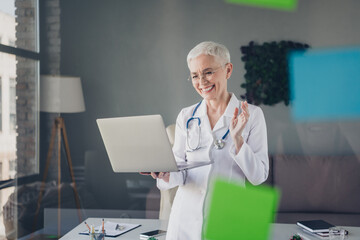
(58, 129)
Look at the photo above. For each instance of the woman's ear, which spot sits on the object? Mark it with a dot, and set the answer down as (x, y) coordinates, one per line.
(229, 68)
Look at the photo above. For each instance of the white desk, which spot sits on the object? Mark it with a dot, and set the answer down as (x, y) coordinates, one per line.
(146, 225)
(286, 231)
(279, 231)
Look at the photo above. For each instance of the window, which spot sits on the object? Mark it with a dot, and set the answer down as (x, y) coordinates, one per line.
(0, 107)
(12, 108)
(19, 72)
(11, 42)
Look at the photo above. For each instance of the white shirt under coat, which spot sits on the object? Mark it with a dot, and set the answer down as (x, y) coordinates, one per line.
(191, 201)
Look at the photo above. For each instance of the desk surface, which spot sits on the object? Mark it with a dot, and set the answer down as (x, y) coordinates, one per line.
(279, 231)
(146, 225)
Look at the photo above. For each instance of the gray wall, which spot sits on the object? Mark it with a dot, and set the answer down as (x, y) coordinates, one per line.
(131, 56)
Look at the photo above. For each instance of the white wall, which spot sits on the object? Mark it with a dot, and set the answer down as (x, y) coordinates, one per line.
(131, 57)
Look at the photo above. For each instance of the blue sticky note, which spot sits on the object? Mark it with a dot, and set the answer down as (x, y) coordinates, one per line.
(325, 84)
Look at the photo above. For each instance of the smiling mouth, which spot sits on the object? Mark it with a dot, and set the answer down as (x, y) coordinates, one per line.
(208, 89)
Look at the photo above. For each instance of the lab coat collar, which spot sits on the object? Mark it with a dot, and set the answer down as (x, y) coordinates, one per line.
(224, 121)
(229, 111)
(233, 103)
(201, 111)
(228, 114)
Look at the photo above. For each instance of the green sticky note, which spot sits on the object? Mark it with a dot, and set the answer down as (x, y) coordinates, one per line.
(287, 5)
(240, 213)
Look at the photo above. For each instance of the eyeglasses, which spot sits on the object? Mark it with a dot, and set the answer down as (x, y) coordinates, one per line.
(207, 74)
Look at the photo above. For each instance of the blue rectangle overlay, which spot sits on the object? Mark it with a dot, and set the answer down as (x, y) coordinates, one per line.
(325, 84)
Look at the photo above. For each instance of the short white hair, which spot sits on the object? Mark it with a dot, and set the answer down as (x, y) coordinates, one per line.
(210, 48)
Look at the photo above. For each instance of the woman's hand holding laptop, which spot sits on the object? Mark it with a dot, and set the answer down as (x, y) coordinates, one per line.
(161, 175)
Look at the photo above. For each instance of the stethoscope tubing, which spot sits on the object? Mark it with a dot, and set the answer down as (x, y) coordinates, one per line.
(199, 125)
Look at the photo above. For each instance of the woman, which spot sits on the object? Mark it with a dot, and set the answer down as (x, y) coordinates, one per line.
(236, 145)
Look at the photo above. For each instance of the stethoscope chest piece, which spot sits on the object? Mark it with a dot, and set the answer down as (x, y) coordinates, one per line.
(219, 144)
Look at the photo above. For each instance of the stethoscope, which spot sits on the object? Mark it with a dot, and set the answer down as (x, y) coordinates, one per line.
(218, 143)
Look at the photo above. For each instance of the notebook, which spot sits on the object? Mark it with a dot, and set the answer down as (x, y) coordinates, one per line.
(315, 226)
(140, 144)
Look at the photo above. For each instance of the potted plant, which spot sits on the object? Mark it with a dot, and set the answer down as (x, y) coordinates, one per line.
(266, 77)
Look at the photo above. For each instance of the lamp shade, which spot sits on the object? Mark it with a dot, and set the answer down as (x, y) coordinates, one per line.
(61, 94)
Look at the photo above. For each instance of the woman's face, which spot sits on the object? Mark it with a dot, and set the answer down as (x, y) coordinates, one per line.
(209, 76)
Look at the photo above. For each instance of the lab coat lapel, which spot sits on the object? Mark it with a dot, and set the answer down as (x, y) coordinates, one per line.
(233, 103)
(202, 114)
(224, 121)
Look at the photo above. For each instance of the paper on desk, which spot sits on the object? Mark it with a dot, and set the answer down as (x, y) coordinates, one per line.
(113, 229)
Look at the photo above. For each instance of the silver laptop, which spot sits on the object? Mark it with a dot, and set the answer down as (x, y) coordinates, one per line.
(139, 144)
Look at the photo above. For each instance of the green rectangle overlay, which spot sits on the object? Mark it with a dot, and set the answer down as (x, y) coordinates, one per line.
(287, 5)
(240, 213)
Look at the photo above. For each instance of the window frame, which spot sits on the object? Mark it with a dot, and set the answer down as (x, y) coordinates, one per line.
(33, 55)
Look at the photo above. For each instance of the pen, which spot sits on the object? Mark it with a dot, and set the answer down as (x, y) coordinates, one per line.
(87, 226)
(103, 230)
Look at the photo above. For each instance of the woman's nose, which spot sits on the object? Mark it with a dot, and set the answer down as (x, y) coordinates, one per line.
(202, 79)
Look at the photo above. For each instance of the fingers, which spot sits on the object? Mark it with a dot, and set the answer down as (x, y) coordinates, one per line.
(243, 117)
(236, 112)
(145, 173)
(163, 175)
(154, 175)
(244, 106)
(159, 175)
(234, 119)
(238, 123)
(245, 109)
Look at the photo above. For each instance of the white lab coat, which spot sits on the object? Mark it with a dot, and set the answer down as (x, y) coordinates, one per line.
(190, 205)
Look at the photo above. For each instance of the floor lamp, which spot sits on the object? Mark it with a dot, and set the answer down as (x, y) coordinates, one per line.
(60, 94)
